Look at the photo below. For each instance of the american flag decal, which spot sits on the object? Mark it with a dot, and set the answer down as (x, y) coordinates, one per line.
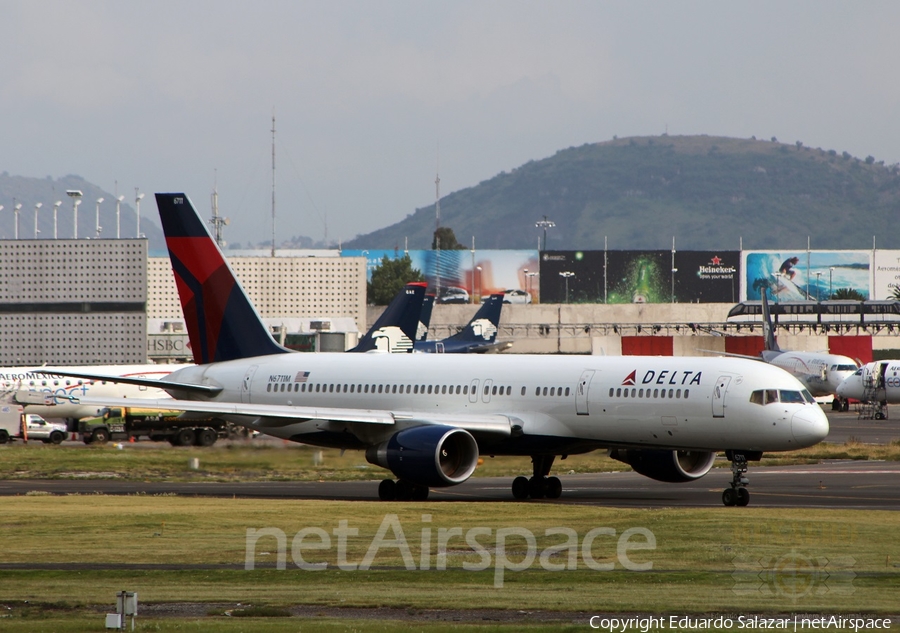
(301, 376)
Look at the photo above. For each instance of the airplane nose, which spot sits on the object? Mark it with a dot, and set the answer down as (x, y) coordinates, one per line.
(809, 425)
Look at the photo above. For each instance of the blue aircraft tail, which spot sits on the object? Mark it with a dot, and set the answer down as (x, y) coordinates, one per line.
(222, 323)
(395, 330)
(425, 318)
(482, 328)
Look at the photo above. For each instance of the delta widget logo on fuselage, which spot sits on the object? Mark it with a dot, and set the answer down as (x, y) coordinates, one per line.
(664, 377)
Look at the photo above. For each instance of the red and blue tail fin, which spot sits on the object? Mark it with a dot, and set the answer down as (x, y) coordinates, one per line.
(395, 330)
(222, 323)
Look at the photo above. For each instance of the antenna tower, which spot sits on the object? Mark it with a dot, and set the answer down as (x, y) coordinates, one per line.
(273, 182)
(217, 222)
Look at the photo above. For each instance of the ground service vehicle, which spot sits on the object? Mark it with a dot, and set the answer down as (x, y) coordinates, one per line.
(124, 423)
(14, 424)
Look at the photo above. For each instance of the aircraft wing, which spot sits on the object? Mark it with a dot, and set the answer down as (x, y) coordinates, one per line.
(482, 423)
(154, 383)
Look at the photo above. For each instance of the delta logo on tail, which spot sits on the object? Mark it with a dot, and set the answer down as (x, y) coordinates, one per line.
(664, 377)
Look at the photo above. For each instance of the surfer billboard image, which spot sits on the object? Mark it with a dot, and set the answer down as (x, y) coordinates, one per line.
(807, 275)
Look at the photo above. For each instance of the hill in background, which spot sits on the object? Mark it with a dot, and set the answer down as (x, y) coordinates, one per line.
(708, 192)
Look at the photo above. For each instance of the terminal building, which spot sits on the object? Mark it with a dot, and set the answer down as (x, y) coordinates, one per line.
(72, 302)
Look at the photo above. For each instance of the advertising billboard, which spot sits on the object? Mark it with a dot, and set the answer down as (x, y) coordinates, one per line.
(640, 276)
(807, 275)
(462, 275)
(886, 275)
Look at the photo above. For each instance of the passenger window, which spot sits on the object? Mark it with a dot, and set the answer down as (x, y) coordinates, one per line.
(444, 389)
(415, 388)
(552, 391)
(466, 390)
(611, 392)
(545, 391)
(687, 392)
(380, 388)
(508, 390)
(537, 391)
(523, 391)
(269, 387)
(619, 392)
(656, 393)
(641, 393)
(678, 393)
(494, 391)
(429, 389)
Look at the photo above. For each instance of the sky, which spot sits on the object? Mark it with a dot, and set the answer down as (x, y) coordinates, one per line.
(373, 98)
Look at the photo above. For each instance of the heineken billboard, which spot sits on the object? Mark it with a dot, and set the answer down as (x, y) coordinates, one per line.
(640, 276)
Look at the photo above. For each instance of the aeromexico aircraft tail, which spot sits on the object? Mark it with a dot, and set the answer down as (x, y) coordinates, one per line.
(425, 318)
(478, 336)
(222, 323)
(396, 329)
(483, 326)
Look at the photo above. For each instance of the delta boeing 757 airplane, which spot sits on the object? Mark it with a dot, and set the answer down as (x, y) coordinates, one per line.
(428, 417)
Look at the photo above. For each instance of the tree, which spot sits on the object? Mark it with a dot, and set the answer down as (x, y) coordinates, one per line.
(389, 277)
(448, 240)
(848, 294)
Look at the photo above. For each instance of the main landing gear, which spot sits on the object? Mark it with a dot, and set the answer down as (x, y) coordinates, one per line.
(737, 495)
(401, 490)
(540, 485)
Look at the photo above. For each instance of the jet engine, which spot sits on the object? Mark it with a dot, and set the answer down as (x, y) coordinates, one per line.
(429, 455)
(669, 466)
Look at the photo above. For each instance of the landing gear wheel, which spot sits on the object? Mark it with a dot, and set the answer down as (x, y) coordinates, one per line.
(520, 488)
(554, 488)
(405, 490)
(387, 490)
(537, 487)
(420, 493)
(729, 497)
(737, 494)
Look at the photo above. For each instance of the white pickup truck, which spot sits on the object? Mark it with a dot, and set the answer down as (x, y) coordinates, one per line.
(14, 424)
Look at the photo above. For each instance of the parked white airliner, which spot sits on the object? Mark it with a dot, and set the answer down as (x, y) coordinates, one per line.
(877, 382)
(50, 395)
(428, 417)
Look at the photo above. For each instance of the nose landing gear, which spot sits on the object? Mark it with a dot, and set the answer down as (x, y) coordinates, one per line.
(737, 494)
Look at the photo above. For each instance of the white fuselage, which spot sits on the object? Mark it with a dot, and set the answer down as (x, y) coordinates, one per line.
(61, 387)
(555, 404)
(820, 373)
(878, 381)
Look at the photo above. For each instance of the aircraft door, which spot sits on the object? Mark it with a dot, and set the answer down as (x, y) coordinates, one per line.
(473, 391)
(438, 347)
(718, 399)
(581, 392)
(246, 384)
(486, 397)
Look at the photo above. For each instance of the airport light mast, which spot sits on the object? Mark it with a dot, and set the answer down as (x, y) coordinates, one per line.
(137, 209)
(36, 207)
(16, 208)
(97, 226)
(76, 195)
(118, 217)
(56, 206)
(545, 224)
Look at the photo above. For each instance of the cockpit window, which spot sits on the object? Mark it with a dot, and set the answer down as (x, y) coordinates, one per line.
(844, 368)
(757, 397)
(771, 396)
(793, 397)
(859, 372)
(808, 397)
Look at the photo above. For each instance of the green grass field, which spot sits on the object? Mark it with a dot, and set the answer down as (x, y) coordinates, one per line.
(724, 560)
(273, 461)
(65, 557)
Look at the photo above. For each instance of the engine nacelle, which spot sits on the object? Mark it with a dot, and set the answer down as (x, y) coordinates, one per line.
(669, 466)
(436, 456)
